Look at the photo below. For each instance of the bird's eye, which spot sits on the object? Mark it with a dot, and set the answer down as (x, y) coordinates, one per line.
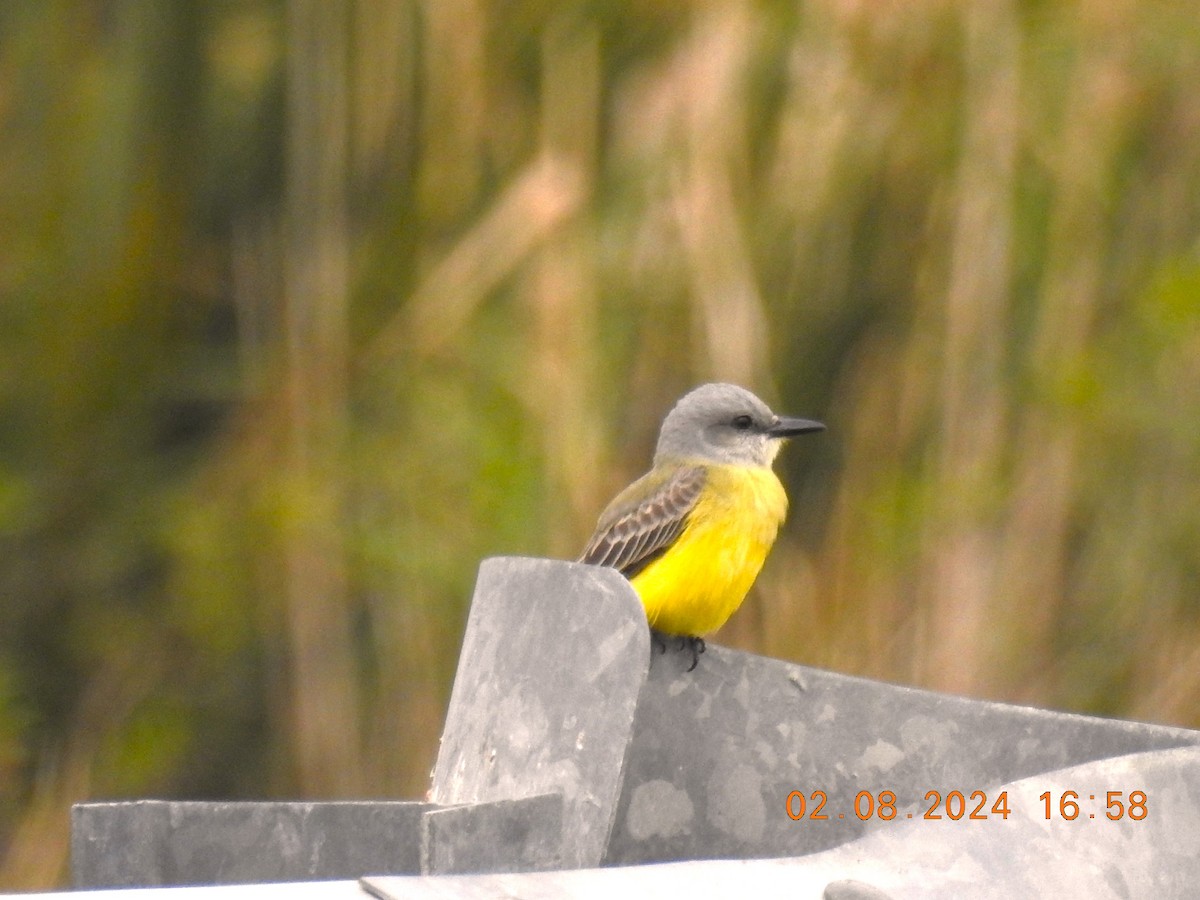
(742, 423)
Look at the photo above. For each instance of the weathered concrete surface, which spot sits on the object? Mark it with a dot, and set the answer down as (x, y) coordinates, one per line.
(1025, 855)
(548, 678)
(717, 751)
(160, 842)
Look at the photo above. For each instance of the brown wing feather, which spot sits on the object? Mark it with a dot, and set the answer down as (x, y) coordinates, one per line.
(634, 532)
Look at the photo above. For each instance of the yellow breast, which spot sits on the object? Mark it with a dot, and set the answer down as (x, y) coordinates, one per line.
(695, 586)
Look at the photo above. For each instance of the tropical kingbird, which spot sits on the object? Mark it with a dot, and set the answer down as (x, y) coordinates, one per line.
(692, 533)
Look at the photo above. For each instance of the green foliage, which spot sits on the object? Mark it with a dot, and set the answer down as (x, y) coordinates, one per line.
(305, 308)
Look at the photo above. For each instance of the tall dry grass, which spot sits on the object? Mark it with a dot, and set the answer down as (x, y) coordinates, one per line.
(500, 240)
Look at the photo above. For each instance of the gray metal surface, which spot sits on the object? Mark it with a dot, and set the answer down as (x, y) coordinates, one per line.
(160, 842)
(561, 749)
(346, 889)
(1025, 855)
(548, 678)
(147, 843)
(717, 751)
(504, 836)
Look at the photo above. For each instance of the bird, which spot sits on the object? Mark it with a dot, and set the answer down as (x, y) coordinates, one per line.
(692, 533)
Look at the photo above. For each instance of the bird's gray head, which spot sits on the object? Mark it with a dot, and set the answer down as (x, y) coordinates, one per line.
(723, 423)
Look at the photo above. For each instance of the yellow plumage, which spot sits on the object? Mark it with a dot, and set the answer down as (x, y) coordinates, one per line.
(703, 577)
(692, 533)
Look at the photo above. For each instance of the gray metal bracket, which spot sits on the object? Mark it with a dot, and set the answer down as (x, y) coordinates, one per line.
(571, 743)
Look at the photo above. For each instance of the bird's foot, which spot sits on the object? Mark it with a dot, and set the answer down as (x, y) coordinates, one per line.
(686, 642)
(657, 640)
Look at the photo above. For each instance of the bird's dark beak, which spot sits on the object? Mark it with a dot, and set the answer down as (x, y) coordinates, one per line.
(785, 427)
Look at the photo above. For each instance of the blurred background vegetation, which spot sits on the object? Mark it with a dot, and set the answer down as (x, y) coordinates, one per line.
(306, 307)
